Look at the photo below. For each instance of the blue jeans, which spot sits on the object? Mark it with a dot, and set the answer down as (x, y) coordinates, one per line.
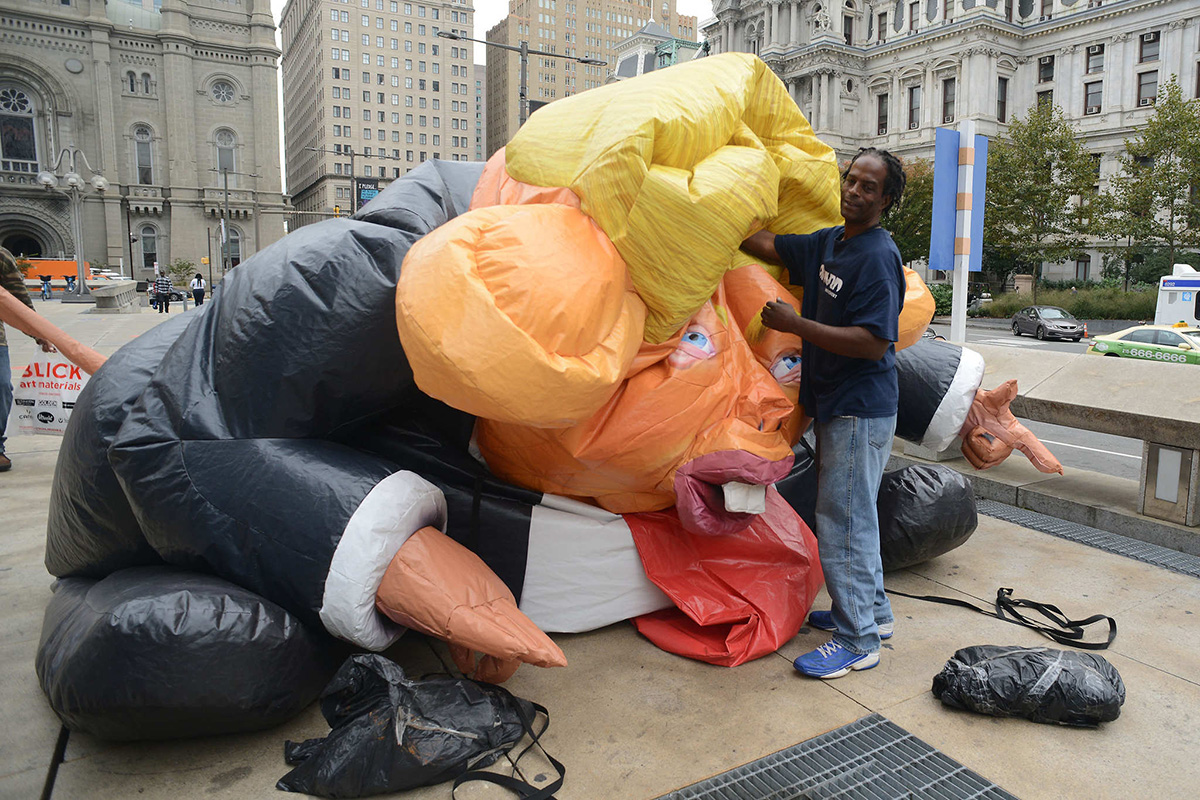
(851, 454)
(6, 392)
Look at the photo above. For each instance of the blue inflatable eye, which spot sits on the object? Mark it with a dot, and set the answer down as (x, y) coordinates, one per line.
(698, 338)
(785, 368)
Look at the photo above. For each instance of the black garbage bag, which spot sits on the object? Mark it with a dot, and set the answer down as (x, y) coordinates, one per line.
(1038, 683)
(925, 510)
(391, 733)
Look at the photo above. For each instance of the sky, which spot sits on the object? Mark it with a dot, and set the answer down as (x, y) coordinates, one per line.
(489, 12)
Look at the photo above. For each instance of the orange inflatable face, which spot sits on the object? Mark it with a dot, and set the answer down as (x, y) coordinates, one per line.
(695, 412)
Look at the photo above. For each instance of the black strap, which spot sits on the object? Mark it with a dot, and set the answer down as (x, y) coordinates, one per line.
(60, 751)
(1064, 631)
(523, 789)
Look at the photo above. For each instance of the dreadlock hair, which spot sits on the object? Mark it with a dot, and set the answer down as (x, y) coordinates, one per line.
(893, 185)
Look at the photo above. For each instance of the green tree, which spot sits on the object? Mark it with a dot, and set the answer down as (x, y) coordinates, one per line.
(909, 221)
(181, 271)
(23, 266)
(1035, 178)
(1153, 198)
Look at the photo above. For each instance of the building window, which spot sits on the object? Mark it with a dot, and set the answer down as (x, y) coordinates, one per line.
(222, 91)
(914, 107)
(881, 114)
(848, 29)
(1045, 69)
(1047, 8)
(235, 246)
(948, 92)
(146, 83)
(1092, 96)
(148, 238)
(1008, 10)
(914, 11)
(1045, 98)
(225, 146)
(132, 80)
(1082, 267)
(1147, 88)
(948, 9)
(1002, 100)
(141, 146)
(1095, 58)
(881, 33)
(1149, 48)
(18, 134)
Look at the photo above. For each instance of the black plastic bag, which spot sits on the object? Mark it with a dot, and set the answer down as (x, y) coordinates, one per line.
(1038, 683)
(925, 510)
(391, 733)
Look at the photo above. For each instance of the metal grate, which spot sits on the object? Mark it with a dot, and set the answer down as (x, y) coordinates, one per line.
(1109, 542)
(872, 759)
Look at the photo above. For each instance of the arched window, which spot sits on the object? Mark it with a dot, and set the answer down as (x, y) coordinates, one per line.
(226, 143)
(141, 145)
(18, 130)
(146, 82)
(222, 91)
(132, 79)
(149, 240)
(235, 246)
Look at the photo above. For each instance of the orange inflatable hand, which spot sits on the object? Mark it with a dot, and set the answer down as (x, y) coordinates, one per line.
(991, 432)
(436, 586)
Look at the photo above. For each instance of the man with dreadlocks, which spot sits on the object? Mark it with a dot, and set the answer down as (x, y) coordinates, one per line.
(853, 292)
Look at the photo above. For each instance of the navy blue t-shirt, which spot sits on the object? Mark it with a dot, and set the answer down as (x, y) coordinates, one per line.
(855, 282)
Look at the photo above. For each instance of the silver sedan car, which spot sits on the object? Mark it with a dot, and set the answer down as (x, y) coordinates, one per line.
(1047, 322)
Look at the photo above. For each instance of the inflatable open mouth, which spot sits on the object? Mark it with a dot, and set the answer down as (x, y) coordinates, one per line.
(716, 494)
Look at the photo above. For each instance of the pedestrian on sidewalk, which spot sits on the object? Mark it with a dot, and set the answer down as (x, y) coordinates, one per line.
(12, 280)
(162, 292)
(197, 287)
(854, 291)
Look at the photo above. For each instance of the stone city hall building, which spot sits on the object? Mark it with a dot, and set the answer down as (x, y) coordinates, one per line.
(887, 73)
(169, 100)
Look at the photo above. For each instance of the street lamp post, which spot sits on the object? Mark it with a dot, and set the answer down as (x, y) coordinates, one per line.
(225, 215)
(347, 150)
(523, 50)
(72, 184)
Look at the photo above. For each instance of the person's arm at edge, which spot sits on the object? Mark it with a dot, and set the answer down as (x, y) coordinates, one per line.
(853, 341)
(762, 245)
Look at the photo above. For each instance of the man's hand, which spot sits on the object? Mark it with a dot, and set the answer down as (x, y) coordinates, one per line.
(46, 346)
(780, 316)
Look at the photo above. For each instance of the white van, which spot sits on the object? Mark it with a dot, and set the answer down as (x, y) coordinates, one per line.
(1178, 297)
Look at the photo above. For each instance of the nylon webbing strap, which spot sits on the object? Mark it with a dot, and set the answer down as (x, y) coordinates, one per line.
(1066, 631)
(523, 789)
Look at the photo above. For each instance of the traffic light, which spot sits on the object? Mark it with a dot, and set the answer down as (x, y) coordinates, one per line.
(337, 211)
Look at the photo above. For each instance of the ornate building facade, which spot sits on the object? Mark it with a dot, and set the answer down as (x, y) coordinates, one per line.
(169, 100)
(887, 73)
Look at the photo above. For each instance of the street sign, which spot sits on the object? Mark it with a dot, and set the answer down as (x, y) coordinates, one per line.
(365, 190)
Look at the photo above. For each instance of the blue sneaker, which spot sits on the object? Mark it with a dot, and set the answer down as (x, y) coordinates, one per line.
(833, 661)
(823, 621)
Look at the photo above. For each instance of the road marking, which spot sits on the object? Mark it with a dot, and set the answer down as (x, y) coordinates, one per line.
(1093, 449)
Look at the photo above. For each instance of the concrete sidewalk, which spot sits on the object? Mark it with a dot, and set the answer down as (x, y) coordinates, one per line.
(631, 721)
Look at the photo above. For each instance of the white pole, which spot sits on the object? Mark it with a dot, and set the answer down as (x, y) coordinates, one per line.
(962, 231)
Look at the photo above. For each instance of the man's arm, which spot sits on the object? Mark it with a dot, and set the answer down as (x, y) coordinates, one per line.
(853, 341)
(762, 245)
(12, 279)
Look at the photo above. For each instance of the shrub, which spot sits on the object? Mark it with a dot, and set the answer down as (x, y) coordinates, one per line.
(1088, 303)
(943, 297)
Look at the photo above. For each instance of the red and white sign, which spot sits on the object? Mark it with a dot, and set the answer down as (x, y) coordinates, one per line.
(45, 395)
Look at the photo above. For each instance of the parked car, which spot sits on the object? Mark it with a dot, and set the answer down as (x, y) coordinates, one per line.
(1173, 344)
(1047, 322)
